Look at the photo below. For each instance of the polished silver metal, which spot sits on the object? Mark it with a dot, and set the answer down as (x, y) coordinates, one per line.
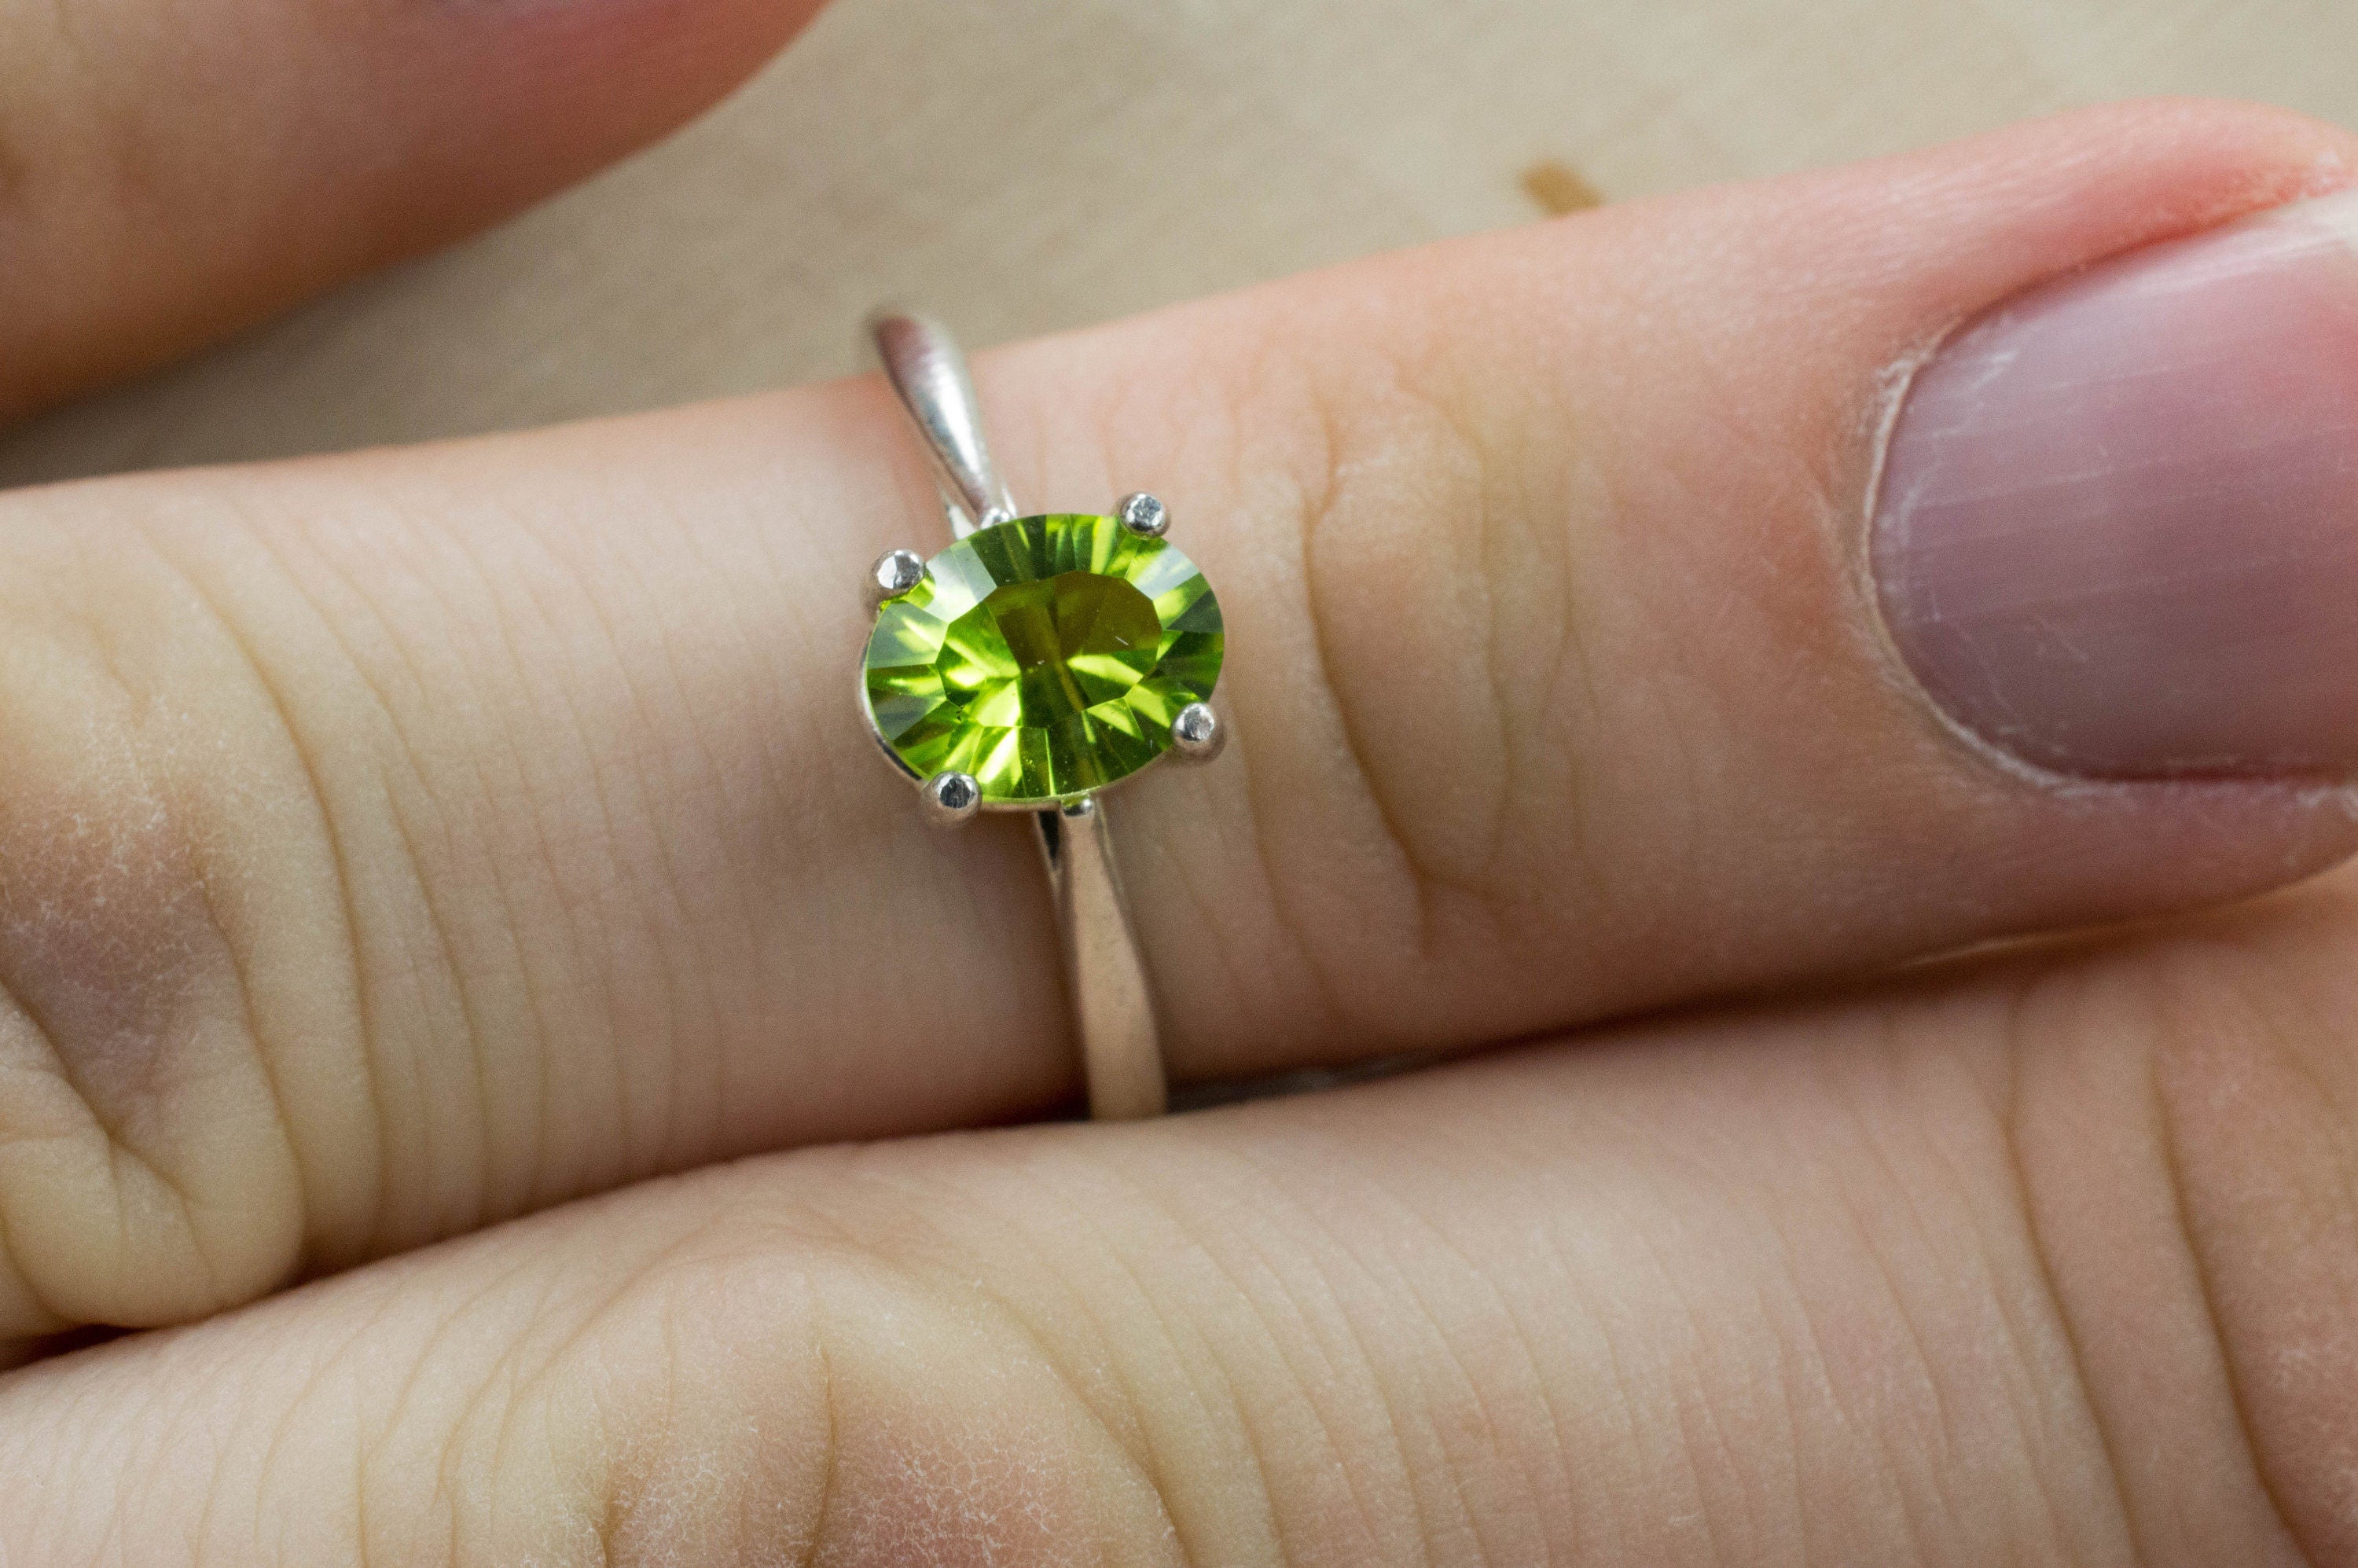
(1113, 1006)
(894, 574)
(952, 799)
(1111, 1003)
(1197, 733)
(1144, 516)
(923, 362)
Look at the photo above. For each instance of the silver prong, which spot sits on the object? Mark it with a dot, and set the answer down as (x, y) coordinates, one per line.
(1144, 516)
(952, 799)
(1197, 733)
(894, 574)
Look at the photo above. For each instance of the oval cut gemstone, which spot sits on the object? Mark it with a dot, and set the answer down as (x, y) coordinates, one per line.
(1047, 657)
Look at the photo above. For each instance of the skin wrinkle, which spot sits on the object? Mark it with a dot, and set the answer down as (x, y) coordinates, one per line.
(1685, 696)
(831, 1476)
(1574, 805)
(2265, 1469)
(536, 1163)
(1575, 1523)
(333, 1359)
(1490, 861)
(2022, 1337)
(1797, 1513)
(830, 1229)
(1464, 443)
(1330, 1439)
(1393, 1422)
(1367, 1364)
(1180, 870)
(1136, 1437)
(118, 1154)
(2159, 1126)
(1346, 453)
(1823, 1361)
(1575, 660)
(767, 786)
(24, 1274)
(658, 958)
(1309, 483)
(1257, 790)
(143, 1032)
(1472, 1385)
(451, 1321)
(489, 1199)
(777, 779)
(1233, 1400)
(1533, 560)
(673, 1143)
(1645, 1236)
(1149, 1466)
(385, 710)
(1473, 1270)
(516, 1385)
(1618, 1371)
(2249, 1432)
(1688, 1455)
(550, 1182)
(1893, 1187)
(1130, 1434)
(437, 926)
(346, 940)
(1926, 1365)
(2011, 1133)
(172, 1416)
(520, 1385)
(402, 804)
(1313, 522)
(1727, 1442)
(666, 960)
(21, 1274)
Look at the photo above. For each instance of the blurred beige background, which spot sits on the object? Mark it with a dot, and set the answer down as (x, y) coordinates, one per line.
(1024, 165)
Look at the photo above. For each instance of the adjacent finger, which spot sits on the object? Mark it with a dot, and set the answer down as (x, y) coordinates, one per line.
(2052, 1264)
(171, 173)
(401, 842)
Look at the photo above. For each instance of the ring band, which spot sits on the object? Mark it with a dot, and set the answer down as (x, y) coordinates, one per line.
(1035, 661)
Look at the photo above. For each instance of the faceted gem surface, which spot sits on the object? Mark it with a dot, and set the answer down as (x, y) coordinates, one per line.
(1047, 657)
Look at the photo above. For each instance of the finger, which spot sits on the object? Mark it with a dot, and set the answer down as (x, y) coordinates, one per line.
(1884, 1281)
(2215, 1077)
(171, 173)
(401, 842)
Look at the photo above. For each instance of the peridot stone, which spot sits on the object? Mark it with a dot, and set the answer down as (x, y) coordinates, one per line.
(1047, 657)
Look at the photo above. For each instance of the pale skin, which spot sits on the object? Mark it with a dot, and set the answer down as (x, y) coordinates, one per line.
(456, 882)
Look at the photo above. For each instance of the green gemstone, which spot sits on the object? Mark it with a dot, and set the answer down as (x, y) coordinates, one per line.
(1047, 657)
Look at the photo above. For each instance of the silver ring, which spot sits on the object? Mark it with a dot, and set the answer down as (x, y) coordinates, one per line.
(1032, 664)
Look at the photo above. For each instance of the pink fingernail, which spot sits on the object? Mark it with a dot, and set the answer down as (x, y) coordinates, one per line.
(2118, 529)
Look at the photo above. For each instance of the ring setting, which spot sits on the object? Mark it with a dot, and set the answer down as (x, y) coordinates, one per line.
(1035, 661)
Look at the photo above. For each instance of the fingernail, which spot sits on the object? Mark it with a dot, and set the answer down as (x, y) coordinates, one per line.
(2116, 533)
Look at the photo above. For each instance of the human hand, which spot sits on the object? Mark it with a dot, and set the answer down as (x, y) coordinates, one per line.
(396, 844)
